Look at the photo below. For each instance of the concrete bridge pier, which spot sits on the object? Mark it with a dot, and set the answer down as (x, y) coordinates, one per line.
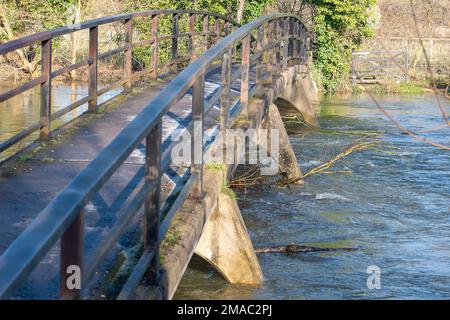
(296, 94)
(225, 244)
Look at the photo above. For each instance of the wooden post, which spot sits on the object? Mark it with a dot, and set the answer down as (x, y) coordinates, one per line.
(93, 66)
(245, 61)
(259, 61)
(198, 102)
(206, 30)
(154, 48)
(191, 39)
(225, 98)
(152, 202)
(46, 89)
(175, 42)
(71, 259)
(128, 54)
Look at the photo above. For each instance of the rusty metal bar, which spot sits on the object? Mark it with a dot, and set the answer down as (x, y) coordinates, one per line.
(191, 39)
(226, 91)
(93, 68)
(22, 88)
(198, 101)
(226, 28)
(46, 89)
(206, 30)
(216, 30)
(128, 54)
(291, 35)
(110, 53)
(271, 51)
(154, 48)
(136, 275)
(245, 61)
(175, 41)
(278, 37)
(296, 41)
(285, 34)
(71, 264)
(259, 61)
(152, 203)
(18, 137)
(67, 69)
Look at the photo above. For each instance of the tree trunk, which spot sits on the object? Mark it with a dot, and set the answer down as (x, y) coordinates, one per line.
(74, 36)
(240, 11)
(29, 67)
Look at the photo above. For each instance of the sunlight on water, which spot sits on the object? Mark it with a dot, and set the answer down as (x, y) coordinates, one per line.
(23, 110)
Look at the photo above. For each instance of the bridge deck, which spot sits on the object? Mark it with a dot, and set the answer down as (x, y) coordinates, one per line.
(26, 187)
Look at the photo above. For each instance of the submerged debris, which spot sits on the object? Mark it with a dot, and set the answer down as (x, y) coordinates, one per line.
(294, 248)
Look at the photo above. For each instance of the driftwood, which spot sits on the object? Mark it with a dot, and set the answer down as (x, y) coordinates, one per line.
(294, 248)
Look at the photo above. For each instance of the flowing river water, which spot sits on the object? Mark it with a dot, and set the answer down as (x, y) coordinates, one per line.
(393, 207)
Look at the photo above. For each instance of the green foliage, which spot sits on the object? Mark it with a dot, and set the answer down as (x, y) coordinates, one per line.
(339, 27)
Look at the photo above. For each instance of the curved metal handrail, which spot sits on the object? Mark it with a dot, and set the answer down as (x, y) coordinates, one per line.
(56, 32)
(47, 74)
(280, 38)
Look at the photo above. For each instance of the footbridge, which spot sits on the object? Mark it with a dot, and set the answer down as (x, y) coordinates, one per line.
(99, 208)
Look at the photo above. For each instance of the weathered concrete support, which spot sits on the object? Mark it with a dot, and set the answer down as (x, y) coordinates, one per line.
(294, 91)
(226, 245)
(309, 85)
(287, 160)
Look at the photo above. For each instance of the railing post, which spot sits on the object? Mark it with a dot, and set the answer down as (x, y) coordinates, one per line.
(93, 66)
(216, 30)
(291, 34)
(285, 34)
(128, 54)
(206, 30)
(154, 48)
(175, 42)
(271, 51)
(198, 101)
(152, 202)
(353, 67)
(226, 28)
(295, 43)
(46, 89)
(259, 62)
(71, 260)
(245, 61)
(225, 98)
(191, 39)
(278, 41)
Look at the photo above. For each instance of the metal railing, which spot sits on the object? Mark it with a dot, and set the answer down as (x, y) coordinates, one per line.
(266, 45)
(222, 26)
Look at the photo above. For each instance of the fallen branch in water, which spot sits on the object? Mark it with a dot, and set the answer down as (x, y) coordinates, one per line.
(327, 165)
(295, 248)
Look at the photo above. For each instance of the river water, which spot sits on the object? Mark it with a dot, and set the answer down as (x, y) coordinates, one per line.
(22, 111)
(394, 207)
